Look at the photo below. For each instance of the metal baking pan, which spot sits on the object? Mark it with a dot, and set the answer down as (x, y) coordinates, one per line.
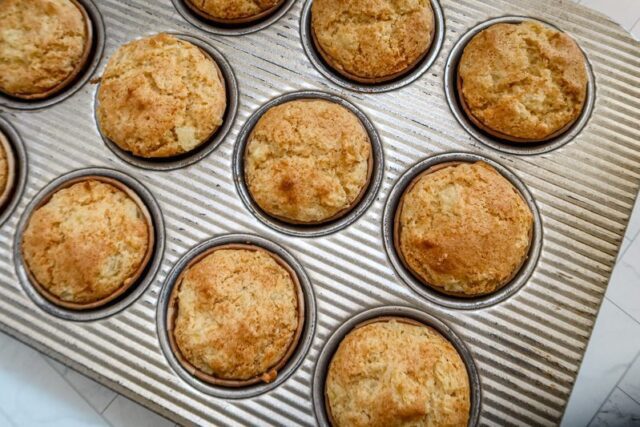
(526, 345)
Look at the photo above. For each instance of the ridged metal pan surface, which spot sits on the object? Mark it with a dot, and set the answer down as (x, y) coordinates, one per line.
(527, 348)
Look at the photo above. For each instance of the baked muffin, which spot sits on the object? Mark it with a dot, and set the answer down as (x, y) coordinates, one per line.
(463, 229)
(160, 97)
(236, 314)
(397, 372)
(87, 243)
(372, 41)
(7, 170)
(522, 82)
(308, 161)
(234, 11)
(44, 44)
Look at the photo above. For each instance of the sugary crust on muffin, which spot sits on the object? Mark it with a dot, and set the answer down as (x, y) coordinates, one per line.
(86, 242)
(4, 167)
(237, 314)
(234, 9)
(464, 229)
(42, 43)
(392, 373)
(372, 39)
(307, 160)
(160, 96)
(526, 80)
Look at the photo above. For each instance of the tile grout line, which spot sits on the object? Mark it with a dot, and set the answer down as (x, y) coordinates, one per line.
(109, 404)
(627, 394)
(613, 389)
(7, 417)
(621, 309)
(81, 395)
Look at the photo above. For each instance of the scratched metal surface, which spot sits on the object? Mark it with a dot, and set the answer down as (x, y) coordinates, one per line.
(527, 349)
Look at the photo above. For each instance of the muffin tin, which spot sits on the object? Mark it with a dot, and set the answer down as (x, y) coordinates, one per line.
(526, 346)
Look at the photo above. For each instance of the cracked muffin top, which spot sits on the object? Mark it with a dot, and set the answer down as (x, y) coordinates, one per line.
(397, 372)
(237, 314)
(160, 96)
(87, 242)
(372, 40)
(523, 82)
(233, 10)
(308, 161)
(43, 44)
(463, 229)
(4, 168)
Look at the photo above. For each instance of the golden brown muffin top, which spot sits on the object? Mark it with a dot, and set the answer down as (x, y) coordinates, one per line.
(237, 314)
(464, 229)
(86, 242)
(160, 96)
(392, 373)
(234, 9)
(307, 160)
(4, 167)
(42, 42)
(373, 39)
(525, 80)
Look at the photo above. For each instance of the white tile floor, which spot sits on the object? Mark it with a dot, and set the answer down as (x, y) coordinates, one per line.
(37, 391)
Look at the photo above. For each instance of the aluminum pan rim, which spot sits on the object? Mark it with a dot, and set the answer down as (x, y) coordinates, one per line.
(336, 337)
(136, 290)
(432, 295)
(298, 356)
(207, 147)
(21, 164)
(422, 67)
(231, 30)
(89, 69)
(309, 230)
(451, 93)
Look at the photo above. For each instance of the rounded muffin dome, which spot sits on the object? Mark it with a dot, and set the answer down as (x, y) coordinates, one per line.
(44, 44)
(234, 11)
(372, 41)
(237, 315)
(463, 229)
(160, 97)
(397, 372)
(87, 243)
(522, 82)
(308, 161)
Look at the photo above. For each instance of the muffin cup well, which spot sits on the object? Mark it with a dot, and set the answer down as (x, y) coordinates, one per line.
(207, 145)
(232, 27)
(323, 62)
(434, 294)
(137, 283)
(384, 314)
(369, 80)
(86, 50)
(397, 227)
(7, 191)
(17, 168)
(495, 139)
(129, 282)
(341, 219)
(172, 313)
(237, 21)
(338, 214)
(230, 389)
